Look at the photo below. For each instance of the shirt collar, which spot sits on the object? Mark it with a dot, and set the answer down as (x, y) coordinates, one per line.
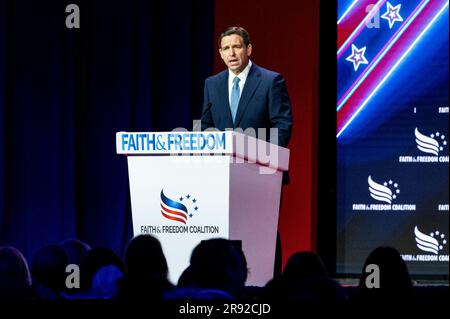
(243, 75)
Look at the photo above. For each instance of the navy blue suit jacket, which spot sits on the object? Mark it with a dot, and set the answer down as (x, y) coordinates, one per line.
(264, 103)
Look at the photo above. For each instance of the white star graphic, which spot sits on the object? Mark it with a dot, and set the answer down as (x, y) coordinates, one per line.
(392, 14)
(357, 57)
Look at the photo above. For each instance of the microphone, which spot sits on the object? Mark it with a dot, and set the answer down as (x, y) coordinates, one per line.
(207, 109)
(197, 124)
(206, 119)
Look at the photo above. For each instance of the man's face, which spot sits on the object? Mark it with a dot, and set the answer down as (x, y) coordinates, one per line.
(234, 52)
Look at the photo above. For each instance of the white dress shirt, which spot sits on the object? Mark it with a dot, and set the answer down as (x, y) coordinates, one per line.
(242, 76)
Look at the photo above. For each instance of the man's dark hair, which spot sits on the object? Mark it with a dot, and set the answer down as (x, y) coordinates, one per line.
(235, 30)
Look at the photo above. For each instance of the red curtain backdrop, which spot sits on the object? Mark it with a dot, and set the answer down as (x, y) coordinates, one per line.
(285, 37)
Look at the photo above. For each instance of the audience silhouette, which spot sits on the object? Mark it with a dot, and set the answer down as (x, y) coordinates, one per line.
(304, 278)
(217, 270)
(15, 277)
(394, 279)
(48, 270)
(146, 270)
(76, 250)
(100, 274)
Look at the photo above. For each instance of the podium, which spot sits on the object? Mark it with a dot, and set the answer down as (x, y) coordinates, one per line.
(191, 186)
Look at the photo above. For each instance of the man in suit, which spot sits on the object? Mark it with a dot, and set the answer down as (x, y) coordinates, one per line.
(247, 96)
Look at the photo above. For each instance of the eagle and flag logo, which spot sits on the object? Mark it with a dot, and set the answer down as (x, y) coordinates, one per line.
(177, 210)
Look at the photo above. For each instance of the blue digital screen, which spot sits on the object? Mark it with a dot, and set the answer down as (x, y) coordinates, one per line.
(393, 133)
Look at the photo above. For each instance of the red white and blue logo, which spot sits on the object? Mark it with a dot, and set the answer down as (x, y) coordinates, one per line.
(177, 210)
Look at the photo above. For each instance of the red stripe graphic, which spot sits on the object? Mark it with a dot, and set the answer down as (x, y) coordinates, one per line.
(359, 28)
(352, 20)
(385, 64)
(183, 218)
(173, 218)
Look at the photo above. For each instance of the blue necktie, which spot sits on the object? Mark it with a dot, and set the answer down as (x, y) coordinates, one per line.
(235, 94)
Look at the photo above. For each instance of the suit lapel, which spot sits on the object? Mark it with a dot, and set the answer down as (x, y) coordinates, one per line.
(225, 102)
(252, 82)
